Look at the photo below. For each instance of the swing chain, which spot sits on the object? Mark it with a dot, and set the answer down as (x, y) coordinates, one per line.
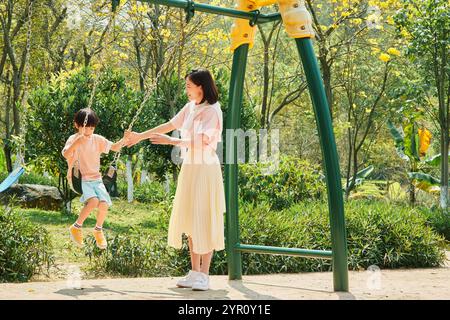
(141, 106)
(109, 27)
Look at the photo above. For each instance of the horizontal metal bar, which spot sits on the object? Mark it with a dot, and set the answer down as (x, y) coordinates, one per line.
(322, 254)
(248, 15)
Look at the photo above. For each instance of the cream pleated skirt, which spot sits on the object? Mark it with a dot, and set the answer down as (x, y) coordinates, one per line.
(199, 205)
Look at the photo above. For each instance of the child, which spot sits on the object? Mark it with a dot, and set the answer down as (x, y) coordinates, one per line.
(86, 147)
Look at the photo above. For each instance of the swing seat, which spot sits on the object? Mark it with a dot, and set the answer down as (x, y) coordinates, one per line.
(75, 181)
(11, 178)
(109, 180)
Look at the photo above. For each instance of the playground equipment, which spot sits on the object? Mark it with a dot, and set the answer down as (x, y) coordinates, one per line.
(297, 22)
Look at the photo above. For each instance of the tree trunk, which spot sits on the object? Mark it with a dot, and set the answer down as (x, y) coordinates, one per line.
(6, 146)
(143, 176)
(265, 97)
(326, 75)
(130, 179)
(349, 164)
(440, 65)
(412, 194)
(7, 151)
(355, 166)
(444, 169)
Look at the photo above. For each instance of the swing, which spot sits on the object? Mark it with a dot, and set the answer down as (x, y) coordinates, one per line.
(110, 176)
(20, 167)
(109, 180)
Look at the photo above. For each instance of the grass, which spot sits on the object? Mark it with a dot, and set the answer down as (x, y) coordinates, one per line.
(122, 218)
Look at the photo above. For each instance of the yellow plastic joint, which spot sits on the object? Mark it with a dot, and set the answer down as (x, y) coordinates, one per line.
(241, 31)
(264, 3)
(297, 20)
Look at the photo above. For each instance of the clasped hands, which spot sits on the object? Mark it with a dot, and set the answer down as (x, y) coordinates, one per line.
(131, 138)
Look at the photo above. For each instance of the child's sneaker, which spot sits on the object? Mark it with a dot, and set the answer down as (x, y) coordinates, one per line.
(76, 234)
(189, 280)
(100, 239)
(201, 283)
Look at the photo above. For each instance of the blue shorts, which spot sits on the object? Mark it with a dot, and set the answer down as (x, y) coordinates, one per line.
(95, 189)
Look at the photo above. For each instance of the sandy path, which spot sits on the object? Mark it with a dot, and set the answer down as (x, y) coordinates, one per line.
(385, 284)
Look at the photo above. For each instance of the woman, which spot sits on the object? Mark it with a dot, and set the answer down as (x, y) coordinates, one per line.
(199, 201)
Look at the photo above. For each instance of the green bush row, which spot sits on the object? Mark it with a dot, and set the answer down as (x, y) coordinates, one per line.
(386, 235)
(437, 219)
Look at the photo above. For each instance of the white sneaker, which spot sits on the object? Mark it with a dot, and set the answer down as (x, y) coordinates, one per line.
(201, 283)
(189, 280)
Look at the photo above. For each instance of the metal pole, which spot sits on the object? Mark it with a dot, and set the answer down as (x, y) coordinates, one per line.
(231, 165)
(201, 7)
(307, 253)
(331, 163)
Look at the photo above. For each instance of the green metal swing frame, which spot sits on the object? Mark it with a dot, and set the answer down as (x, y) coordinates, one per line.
(234, 248)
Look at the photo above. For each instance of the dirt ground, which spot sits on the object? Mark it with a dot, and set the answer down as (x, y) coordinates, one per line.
(423, 284)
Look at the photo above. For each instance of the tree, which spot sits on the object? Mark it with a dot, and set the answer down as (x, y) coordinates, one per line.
(425, 26)
(14, 18)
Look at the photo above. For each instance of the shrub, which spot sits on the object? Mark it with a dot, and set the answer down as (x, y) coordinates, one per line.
(437, 219)
(389, 236)
(154, 191)
(295, 180)
(137, 254)
(148, 192)
(25, 249)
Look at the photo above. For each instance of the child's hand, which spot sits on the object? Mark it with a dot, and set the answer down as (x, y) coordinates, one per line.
(80, 139)
(131, 138)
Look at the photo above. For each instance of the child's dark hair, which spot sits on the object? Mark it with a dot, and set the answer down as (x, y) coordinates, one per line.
(202, 77)
(92, 121)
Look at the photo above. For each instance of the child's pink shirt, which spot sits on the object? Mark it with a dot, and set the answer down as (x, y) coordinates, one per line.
(205, 119)
(88, 154)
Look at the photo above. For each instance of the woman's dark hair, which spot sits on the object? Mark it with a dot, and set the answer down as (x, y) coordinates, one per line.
(92, 121)
(202, 77)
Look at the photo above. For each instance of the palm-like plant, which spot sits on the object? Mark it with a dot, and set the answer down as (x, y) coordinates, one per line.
(412, 144)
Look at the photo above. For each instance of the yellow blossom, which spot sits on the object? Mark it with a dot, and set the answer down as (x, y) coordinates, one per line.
(393, 52)
(384, 57)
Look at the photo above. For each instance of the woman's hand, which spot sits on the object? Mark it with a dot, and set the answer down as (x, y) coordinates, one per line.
(158, 138)
(131, 138)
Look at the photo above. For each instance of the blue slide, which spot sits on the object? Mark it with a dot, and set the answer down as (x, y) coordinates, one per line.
(11, 179)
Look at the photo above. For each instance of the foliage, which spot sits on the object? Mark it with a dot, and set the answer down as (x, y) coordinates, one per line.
(149, 192)
(386, 235)
(25, 249)
(53, 106)
(412, 146)
(294, 180)
(32, 178)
